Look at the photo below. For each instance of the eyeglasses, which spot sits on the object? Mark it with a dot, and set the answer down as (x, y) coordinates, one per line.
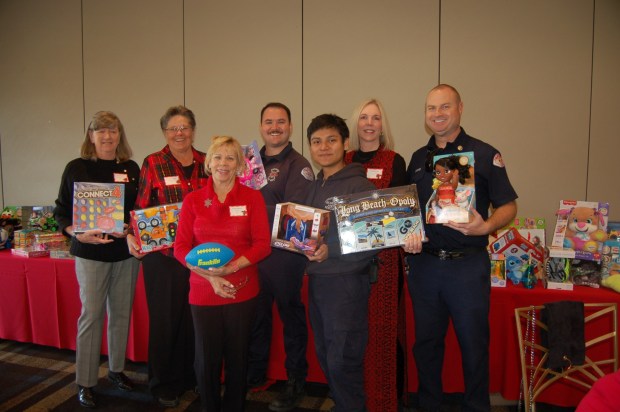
(238, 286)
(430, 154)
(176, 129)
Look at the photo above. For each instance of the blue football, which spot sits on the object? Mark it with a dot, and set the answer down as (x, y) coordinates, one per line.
(209, 255)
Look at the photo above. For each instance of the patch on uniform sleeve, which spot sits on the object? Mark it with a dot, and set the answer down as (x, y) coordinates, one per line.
(307, 173)
(498, 161)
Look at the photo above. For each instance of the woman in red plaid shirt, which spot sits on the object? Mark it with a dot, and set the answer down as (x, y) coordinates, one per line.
(168, 176)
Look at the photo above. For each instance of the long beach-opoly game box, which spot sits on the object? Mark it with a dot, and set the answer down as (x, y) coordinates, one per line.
(156, 227)
(299, 228)
(377, 219)
(98, 206)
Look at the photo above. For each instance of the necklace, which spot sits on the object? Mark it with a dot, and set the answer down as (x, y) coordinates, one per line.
(528, 383)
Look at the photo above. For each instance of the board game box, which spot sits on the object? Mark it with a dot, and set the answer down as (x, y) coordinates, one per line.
(378, 219)
(98, 206)
(156, 227)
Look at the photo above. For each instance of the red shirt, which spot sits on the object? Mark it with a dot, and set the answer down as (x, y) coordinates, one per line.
(239, 223)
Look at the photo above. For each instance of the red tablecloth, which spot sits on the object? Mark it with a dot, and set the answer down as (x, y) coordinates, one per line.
(39, 303)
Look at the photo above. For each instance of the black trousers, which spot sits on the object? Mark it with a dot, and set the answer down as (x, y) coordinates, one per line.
(338, 311)
(222, 338)
(459, 290)
(171, 331)
(282, 285)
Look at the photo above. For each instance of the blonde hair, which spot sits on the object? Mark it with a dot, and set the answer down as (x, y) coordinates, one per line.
(102, 120)
(219, 141)
(385, 140)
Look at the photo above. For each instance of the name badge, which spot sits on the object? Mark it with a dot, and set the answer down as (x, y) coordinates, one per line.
(374, 174)
(120, 177)
(172, 180)
(238, 210)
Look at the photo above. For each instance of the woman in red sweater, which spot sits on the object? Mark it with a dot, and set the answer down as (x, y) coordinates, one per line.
(223, 300)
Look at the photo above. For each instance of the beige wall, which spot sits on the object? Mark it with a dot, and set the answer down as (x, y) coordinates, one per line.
(539, 79)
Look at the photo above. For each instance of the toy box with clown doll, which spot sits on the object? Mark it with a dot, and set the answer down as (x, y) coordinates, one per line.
(580, 230)
(254, 175)
(156, 227)
(454, 192)
(299, 228)
(378, 219)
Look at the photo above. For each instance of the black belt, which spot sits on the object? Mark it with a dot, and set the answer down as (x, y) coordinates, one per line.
(443, 254)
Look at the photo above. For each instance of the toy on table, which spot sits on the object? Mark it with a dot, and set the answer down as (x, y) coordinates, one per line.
(529, 279)
(580, 230)
(585, 273)
(610, 265)
(583, 230)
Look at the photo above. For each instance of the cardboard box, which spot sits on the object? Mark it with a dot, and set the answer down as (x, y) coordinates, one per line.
(531, 228)
(498, 270)
(585, 273)
(254, 175)
(30, 252)
(454, 188)
(581, 229)
(378, 219)
(299, 228)
(557, 273)
(156, 227)
(98, 206)
(518, 251)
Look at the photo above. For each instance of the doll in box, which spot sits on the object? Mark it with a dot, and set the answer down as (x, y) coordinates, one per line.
(449, 172)
(583, 230)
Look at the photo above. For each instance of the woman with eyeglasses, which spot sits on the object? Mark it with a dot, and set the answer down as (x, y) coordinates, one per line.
(384, 361)
(224, 299)
(105, 271)
(167, 176)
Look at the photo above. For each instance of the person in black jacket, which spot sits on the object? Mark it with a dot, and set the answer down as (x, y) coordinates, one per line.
(339, 285)
(105, 270)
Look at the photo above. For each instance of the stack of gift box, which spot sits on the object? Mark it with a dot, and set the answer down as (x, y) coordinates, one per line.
(584, 250)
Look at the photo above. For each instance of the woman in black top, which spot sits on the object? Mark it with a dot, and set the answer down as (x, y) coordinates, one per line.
(105, 270)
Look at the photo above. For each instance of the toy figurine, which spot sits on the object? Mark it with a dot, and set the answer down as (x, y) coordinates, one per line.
(529, 279)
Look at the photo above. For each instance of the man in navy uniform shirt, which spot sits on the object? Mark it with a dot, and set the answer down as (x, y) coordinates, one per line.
(289, 176)
(449, 274)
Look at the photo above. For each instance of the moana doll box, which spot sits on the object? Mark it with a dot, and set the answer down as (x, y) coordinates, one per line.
(454, 189)
(156, 227)
(299, 228)
(378, 219)
(98, 206)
